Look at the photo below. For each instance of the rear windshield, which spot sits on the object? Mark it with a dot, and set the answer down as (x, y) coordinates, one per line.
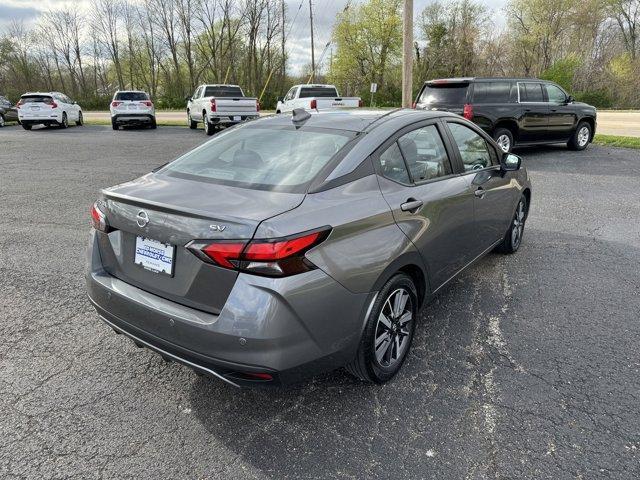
(36, 99)
(494, 92)
(274, 159)
(131, 96)
(446, 93)
(223, 92)
(306, 92)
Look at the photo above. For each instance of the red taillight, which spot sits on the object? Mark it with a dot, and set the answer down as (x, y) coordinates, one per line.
(271, 257)
(98, 219)
(360, 104)
(467, 111)
(19, 104)
(413, 105)
(257, 106)
(52, 104)
(115, 104)
(314, 104)
(213, 104)
(147, 103)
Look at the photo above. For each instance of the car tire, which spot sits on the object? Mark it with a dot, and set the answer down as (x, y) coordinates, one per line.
(513, 238)
(26, 126)
(153, 124)
(80, 120)
(114, 125)
(2, 122)
(209, 128)
(581, 137)
(65, 122)
(504, 139)
(389, 329)
(192, 124)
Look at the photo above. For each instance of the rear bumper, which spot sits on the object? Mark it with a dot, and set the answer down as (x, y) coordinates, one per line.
(291, 328)
(230, 118)
(133, 118)
(43, 119)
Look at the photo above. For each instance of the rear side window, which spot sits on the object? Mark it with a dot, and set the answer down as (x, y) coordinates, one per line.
(262, 158)
(445, 93)
(531, 92)
(392, 165)
(223, 91)
(306, 92)
(492, 92)
(131, 96)
(37, 99)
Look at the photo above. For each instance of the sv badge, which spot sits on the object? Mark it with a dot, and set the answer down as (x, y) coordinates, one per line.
(217, 228)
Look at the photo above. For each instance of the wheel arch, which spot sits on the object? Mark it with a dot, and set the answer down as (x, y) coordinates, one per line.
(410, 263)
(527, 194)
(592, 123)
(508, 123)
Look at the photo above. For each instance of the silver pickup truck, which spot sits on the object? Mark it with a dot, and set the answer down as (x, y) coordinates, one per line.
(216, 105)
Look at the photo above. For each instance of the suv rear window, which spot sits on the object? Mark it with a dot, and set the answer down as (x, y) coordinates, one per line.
(36, 99)
(306, 92)
(131, 96)
(223, 92)
(493, 92)
(282, 159)
(444, 93)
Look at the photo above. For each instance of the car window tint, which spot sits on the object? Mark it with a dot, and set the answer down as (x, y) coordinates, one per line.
(444, 93)
(392, 165)
(307, 92)
(474, 150)
(492, 92)
(531, 92)
(222, 91)
(424, 154)
(555, 94)
(261, 158)
(132, 96)
(37, 99)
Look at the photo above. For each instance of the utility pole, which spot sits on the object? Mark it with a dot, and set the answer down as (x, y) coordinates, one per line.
(313, 55)
(284, 58)
(407, 54)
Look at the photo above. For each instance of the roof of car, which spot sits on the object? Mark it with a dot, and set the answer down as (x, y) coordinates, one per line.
(356, 120)
(474, 79)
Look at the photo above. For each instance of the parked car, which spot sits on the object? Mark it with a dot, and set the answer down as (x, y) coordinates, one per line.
(132, 107)
(315, 97)
(49, 108)
(514, 111)
(217, 105)
(272, 253)
(8, 111)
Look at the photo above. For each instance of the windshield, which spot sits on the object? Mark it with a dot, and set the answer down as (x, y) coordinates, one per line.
(278, 159)
(446, 93)
(306, 92)
(223, 91)
(131, 96)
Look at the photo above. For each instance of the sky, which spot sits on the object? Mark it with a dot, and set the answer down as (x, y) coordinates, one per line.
(298, 41)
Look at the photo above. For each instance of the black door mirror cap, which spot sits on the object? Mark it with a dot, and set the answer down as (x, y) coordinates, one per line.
(281, 99)
(570, 99)
(510, 162)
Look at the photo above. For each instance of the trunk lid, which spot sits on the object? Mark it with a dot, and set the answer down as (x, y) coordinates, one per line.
(180, 211)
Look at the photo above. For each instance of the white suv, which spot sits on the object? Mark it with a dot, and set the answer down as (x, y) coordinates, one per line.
(50, 108)
(132, 107)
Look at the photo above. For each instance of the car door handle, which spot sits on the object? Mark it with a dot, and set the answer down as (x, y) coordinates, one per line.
(480, 192)
(411, 205)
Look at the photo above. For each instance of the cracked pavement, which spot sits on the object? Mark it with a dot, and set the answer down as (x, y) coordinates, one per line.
(527, 366)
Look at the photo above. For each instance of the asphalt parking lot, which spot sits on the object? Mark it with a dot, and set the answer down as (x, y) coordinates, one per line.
(528, 366)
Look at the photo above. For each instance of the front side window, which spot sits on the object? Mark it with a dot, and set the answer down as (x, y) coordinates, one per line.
(531, 92)
(392, 165)
(555, 94)
(474, 150)
(290, 94)
(273, 159)
(424, 154)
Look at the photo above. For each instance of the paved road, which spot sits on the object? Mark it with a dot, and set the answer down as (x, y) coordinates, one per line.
(609, 122)
(528, 366)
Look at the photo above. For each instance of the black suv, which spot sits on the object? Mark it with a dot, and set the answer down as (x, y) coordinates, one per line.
(514, 111)
(8, 111)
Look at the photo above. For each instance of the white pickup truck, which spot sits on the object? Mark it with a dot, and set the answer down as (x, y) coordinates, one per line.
(315, 97)
(216, 105)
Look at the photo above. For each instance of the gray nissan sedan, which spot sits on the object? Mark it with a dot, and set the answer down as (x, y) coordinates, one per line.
(293, 245)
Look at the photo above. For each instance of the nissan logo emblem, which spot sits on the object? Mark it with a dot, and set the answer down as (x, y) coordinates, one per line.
(142, 219)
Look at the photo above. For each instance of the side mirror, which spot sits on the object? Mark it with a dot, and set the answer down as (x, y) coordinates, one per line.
(187, 98)
(570, 99)
(510, 162)
(281, 99)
